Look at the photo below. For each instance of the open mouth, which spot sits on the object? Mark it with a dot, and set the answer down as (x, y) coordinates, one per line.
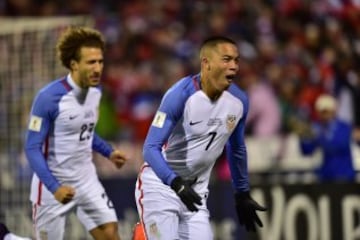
(230, 77)
(95, 78)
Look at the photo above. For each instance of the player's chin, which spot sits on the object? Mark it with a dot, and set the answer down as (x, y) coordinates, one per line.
(118, 166)
(226, 85)
(94, 83)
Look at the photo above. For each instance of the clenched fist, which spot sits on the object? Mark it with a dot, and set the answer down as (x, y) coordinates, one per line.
(118, 158)
(64, 194)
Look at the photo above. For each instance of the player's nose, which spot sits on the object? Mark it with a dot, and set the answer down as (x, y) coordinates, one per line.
(98, 67)
(234, 66)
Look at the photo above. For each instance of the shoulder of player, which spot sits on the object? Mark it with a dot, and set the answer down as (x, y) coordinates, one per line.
(237, 92)
(54, 90)
(182, 88)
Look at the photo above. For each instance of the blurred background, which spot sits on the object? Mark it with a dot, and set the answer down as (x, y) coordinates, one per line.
(292, 51)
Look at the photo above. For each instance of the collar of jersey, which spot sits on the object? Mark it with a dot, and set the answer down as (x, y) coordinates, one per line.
(77, 90)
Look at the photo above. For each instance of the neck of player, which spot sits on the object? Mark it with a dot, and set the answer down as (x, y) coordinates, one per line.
(212, 93)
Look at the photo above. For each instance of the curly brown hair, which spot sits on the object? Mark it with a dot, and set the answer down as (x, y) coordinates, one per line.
(73, 39)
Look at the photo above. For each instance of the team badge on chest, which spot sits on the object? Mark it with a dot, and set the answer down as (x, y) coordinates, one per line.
(154, 230)
(230, 122)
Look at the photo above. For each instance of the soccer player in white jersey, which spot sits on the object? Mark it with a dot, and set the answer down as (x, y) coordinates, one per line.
(61, 139)
(198, 117)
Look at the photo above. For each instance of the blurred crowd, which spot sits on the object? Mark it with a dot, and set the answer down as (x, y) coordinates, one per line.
(292, 51)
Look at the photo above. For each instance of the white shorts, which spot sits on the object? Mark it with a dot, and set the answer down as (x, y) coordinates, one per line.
(164, 215)
(92, 206)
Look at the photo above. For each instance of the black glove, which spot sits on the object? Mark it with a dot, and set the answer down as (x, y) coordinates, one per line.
(246, 209)
(187, 195)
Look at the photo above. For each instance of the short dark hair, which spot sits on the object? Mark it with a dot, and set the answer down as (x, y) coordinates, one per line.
(73, 39)
(212, 41)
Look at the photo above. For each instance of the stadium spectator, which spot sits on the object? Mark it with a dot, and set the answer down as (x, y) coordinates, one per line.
(333, 138)
(264, 119)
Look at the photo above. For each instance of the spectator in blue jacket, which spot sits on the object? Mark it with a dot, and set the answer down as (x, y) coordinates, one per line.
(333, 137)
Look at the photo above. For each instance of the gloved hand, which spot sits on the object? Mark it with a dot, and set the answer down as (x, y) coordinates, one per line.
(246, 209)
(187, 195)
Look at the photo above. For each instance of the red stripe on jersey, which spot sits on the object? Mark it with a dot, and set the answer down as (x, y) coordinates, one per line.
(165, 146)
(66, 84)
(39, 193)
(141, 197)
(46, 154)
(196, 83)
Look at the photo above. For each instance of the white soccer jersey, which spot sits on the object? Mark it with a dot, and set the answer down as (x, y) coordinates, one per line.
(61, 138)
(195, 131)
(188, 134)
(204, 128)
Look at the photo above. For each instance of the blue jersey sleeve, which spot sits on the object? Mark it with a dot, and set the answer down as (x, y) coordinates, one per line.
(236, 153)
(324, 137)
(43, 113)
(167, 116)
(308, 146)
(101, 146)
(310, 143)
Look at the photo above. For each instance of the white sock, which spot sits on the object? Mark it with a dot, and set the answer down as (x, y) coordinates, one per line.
(11, 236)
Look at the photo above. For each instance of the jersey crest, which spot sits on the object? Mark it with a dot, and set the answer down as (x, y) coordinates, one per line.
(230, 122)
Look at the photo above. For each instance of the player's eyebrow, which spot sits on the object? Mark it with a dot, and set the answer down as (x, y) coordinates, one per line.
(226, 56)
(95, 60)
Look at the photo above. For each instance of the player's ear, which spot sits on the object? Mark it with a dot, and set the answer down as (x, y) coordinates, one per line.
(205, 63)
(208, 65)
(73, 65)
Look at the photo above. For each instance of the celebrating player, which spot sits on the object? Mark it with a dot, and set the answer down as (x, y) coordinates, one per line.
(61, 140)
(197, 118)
